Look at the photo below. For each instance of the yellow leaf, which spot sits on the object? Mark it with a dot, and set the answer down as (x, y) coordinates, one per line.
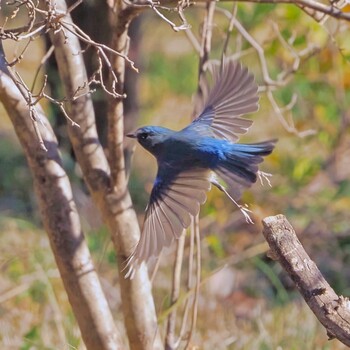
(346, 8)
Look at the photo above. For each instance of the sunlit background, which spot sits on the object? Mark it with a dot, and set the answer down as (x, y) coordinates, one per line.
(246, 300)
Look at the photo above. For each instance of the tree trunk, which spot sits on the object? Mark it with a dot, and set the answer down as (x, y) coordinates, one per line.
(61, 222)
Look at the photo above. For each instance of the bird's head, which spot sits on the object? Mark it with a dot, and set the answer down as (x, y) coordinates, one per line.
(151, 137)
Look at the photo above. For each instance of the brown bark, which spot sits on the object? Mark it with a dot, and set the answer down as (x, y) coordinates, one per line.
(106, 181)
(332, 310)
(61, 222)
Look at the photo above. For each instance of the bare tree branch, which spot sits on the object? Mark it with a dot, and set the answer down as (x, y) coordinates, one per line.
(332, 310)
(61, 221)
(206, 37)
(106, 180)
(139, 310)
(331, 10)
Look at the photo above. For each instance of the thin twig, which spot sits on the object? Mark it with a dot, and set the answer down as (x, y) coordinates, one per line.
(85, 38)
(195, 224)
(42, 62)
(74, 6)
(188, 301)
(206, 36)
(26, 94)
(193, 40)
(20, 56)
(288, 126)
(175, 292)
(283, 78)
(249, 38)
(245, 255)
(230, 28)
(330, 10)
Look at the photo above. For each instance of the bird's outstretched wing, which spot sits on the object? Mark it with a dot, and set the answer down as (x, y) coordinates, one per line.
(231, 93)
(174, 200)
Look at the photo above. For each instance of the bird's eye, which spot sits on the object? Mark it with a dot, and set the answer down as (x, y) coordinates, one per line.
(143, 136)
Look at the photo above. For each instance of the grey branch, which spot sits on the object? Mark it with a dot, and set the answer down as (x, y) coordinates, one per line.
(106, 180)
(332, 310)
(61, 221)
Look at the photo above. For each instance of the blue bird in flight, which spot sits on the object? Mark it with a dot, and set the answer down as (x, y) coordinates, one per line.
(192, 159)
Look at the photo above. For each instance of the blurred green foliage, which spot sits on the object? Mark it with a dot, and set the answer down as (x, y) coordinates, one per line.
(181, 79)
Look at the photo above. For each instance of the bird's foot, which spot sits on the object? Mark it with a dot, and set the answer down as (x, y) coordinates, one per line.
(264, 176)
(243, 208)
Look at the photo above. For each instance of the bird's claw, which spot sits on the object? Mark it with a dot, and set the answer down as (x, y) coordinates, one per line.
(243, 208)
(264, 176)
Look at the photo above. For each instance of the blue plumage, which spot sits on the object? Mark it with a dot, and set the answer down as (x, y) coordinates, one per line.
(187, 159)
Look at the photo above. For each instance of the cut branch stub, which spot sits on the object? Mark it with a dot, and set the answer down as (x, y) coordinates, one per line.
(332, 310)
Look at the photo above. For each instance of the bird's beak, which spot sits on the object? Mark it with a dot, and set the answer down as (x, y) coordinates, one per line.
(132, 135)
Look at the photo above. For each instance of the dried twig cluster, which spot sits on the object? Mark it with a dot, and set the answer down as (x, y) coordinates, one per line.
(43, 18)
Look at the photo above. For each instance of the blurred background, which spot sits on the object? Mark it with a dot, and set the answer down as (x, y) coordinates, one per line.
(246, 300)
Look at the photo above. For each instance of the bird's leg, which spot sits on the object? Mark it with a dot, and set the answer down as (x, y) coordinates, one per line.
(244, 210)
(264, 176)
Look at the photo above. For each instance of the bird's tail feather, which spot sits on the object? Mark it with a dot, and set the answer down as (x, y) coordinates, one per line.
(239, 168)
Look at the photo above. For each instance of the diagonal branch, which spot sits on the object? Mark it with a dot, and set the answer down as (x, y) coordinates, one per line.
(332, 310)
